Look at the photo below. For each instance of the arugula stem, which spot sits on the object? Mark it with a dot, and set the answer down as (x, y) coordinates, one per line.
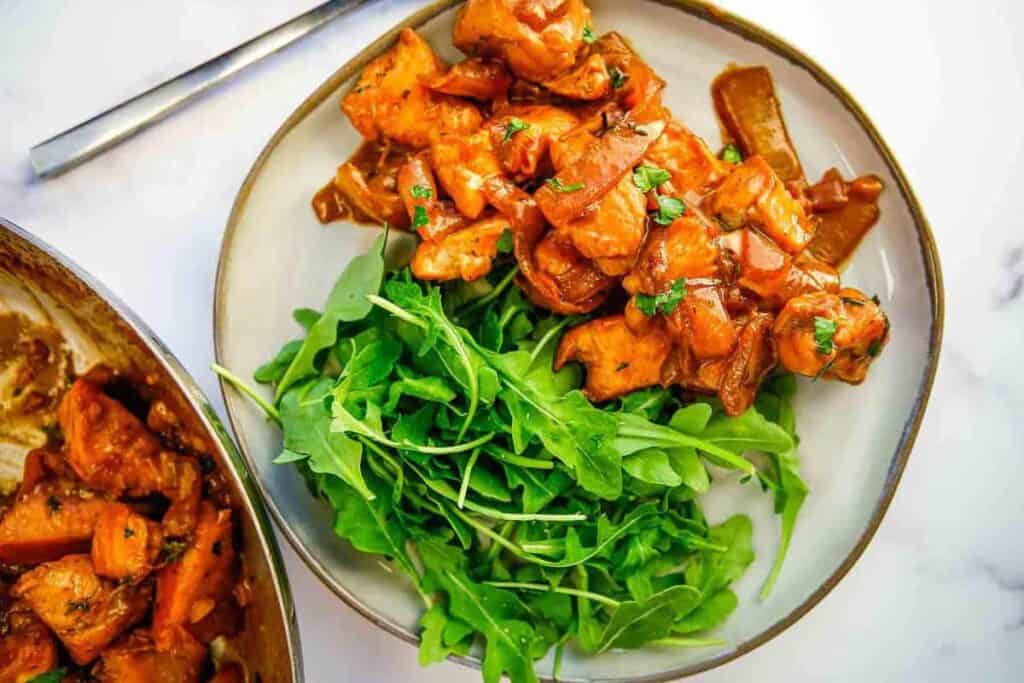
(471, 377)
(491, 295)
(507, 456)
(690, 642)
(492, 552)
(344, 421)
(464, 488)
(679, 439)
(548, 336)
(397, 311)
(544, 588)
(239, 384)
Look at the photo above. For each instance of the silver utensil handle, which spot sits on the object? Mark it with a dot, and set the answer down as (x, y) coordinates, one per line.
(103, 131)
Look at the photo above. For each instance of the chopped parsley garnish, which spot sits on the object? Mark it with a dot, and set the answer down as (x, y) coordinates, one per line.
(588, 35)
(505, 243)
(419, 217)
(217, 548)
(55, 676)
(852, 301)
(557, 185)
(875, 348)
(173, 548)
(669, 209)
(53, 503)
(129, 532)
(77, 606)
(824, 330)
(732, 154)
(421, 192)
(513, 126)
(876, 300)
(664, 303)
(618, 78)
(649, 177)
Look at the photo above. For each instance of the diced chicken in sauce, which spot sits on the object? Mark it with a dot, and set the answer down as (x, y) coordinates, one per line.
(113, 564)
(561, 138)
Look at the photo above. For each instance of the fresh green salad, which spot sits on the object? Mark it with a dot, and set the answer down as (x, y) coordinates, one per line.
(527, 518)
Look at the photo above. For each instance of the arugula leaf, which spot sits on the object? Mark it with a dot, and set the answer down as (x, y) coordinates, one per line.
(346, 303)
(633, 623)
(665, 302)
(653, 466)
(711, 613)
(307, 430)
(436, 642)
(306, 317)
(274, 369)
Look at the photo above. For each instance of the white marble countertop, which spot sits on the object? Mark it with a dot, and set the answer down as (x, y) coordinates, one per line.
(939, 594)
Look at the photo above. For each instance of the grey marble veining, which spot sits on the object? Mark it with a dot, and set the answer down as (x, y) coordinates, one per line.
(939, 594)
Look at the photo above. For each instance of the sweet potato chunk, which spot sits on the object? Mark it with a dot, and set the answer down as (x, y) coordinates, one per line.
(187, 590)
(466, 254)
(125, 544)
(110, 449)
(86, 612)
(538, 40)
(135, 659)
(618, 360)
(390, 99)
(53, 520)
(26, 646)
(753, 195)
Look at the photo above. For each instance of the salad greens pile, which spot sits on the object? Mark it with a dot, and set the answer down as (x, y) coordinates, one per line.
(527, 518)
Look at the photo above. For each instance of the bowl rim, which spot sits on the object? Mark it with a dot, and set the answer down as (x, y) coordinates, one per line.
(240, 469)
(749, 31)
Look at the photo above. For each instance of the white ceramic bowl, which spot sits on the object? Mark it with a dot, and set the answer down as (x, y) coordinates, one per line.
(855, 440)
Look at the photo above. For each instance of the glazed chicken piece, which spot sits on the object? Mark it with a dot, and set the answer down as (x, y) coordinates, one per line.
(753, 195)
(522, 135)
(462, 163)
(111, 450)
(125, 544)
(684, 249)
(612, 231)
(735, 378)
(52, 520)
(135, 659)
(390, 99)
(702, 323)
(835, 336)
(86, 612)
(600, 166)
(537, 39)
(466, 254)
(26, 646)
(368, 182)
(618, 360)
(693, 167)
(562, 280)
(188, 589)
(588, 81)
(431, 216)
(475, 78)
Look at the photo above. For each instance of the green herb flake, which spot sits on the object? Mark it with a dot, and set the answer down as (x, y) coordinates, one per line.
(588, 36)
(506, 242)
(731, 154)
(514, 126)
(55, 676)
(129, 532)
(421, 192)
(669, 209)
(824, 330)
(664, 303)
(647, 178)
(419, 217)
(53, 504)
(556, 185)
(618, 78)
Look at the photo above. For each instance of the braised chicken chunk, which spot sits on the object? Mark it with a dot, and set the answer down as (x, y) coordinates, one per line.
(50, 521)
(537, 39)
(110, 449)
(391, 100)
(125, 544)
(618, 360)
(831, 335)
(136, 659)
(478, 79)
(26, 647)
(85, 611)
(466, 253)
